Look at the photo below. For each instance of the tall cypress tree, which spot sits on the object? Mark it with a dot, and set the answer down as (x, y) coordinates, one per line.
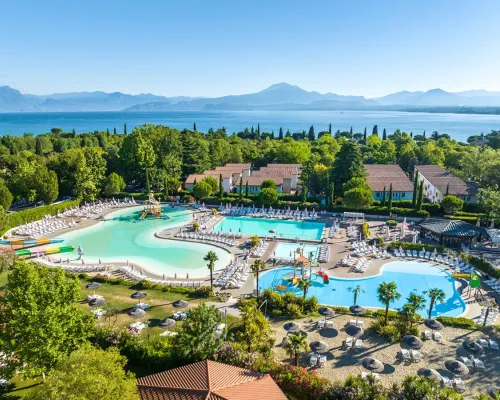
(194, 127)
(241, 187)
(124, 129)
(288, 134)
(420, 195)
(280, 136)
(114, 131)
(447, 189)
(311, 136)
(424, 135)
(258, 129)
(364, 135)
(148, 187)
(382, 203)
(350, 131)
(384, 135)
(415, 190)
(221, 188)
(74, 132)
(107, 131)
(330, 128)
(246, 189)
(332, 194)
(389, 201)
(411, 135)
(375, 130)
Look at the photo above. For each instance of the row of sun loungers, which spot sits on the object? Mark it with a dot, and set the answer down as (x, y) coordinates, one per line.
(435, 335)
(494, 284)
(206, 221)
(72, 268)
(234, 275)
(323, 253)
(259, 249)
(48, 224)
(411, 355)
(137, 275)
(491, 318)
(210, 237)
(317, 361)
(488, 344)
(353, 343)
(269, 213)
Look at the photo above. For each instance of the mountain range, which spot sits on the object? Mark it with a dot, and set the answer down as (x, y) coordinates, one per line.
(281, 96)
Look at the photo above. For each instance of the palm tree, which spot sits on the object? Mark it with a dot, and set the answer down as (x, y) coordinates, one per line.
(211, 257)
(258, 266)
(306, 284)
(416, 302)
(434, 295)
(406, 312)
(295, 344)
(387, 293)
(355, 290)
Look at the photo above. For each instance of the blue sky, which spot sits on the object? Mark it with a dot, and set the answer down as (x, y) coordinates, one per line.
(219, 47)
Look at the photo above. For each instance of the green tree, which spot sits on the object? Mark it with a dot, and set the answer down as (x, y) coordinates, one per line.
(330, 128)
(256, 333)
(331, 194)
(202, 190)
(114, 184)
(197, 339)
(355, 290)
(358, 198)
(221, 188)
(451, 204)
(295, 344)
(489, 199)
(268, 183)
(268, 196)
(382, 203)
(415, 190)
(46, 185)
(87, 374)
(211, 258)
(389, 200)
(280, 135)
(241, 188)
(420, 198)
(355, 183)
(256, 268)
(387, 293)
(375, 130)
(384, 135)
(214, 185)
(124, 129)
(194, 127)
(41, 320)
(435, 295)
(311, 135)
(5, 197)
(306, 284)
(247, 190)
(348, 163)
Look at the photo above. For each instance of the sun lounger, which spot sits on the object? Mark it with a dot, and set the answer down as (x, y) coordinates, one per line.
(415, 355)
(467, 361)
(446, 382)
(483, 342)
(322, 361)
(348, 342)
(313, 360)
(329, 324)
(360, 324)
(437, 337)
(493, 345)
(359, 344)
(478, 364)
(414, 252)
(404, 355)
(321, 323)
(459, 385)
(427, 335)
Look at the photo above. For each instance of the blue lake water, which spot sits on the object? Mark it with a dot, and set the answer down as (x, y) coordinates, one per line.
(410, 276)
(262, 227)
(458, 126)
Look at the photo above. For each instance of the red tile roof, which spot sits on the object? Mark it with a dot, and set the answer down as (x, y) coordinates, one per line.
(258, 180)
(208, 380)
(382, 175)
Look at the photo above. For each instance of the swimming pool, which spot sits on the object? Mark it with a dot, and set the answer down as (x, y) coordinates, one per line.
(260, 226)
(409, 276)
(123, 236)
(286, 250)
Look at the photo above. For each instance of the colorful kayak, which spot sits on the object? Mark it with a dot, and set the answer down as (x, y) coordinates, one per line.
(29, 253)
(29, 242)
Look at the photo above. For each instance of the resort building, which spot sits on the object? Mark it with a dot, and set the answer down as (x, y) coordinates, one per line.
(451, 233)
(289, 173)
(231, 174)
(380, 176)
(255, 184)
(438, 182)
(209, 380)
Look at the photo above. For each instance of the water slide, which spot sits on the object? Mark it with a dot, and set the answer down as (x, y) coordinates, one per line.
(54, 250)
(460, 275)
(30, 242)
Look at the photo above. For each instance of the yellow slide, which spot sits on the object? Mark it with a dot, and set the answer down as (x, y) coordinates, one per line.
(460, 275)
(144, 215)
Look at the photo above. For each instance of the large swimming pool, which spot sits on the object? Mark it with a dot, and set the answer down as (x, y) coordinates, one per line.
(286, 250)
(410, 276)
(307, 230)
(123, 236)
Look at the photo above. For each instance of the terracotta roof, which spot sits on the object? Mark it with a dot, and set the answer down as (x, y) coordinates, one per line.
(225, 173)
(258, 180)
(208, 380)
(243, 165)
(442, 179)
(380, 175)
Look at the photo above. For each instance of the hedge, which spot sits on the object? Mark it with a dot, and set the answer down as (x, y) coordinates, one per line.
(470, 220)
(33, 214)
(375, 210)
(417, 246)
(481, 264)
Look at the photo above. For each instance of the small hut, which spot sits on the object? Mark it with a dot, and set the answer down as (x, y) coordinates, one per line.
(451, 233)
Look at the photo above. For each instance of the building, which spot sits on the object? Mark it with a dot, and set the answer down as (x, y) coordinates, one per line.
(289, 173)
(380, 176)
(231, 174)
(209, 380)
(438, 182)
(451, 233)
(255, 184)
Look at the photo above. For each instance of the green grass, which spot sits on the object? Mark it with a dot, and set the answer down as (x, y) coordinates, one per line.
(19, 388)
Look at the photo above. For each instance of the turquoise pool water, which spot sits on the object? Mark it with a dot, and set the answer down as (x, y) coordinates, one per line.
(410, 276)
(124, 237)
(259, 226)
(286, 250)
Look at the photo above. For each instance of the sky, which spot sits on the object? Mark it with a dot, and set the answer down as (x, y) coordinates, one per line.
(219, 47)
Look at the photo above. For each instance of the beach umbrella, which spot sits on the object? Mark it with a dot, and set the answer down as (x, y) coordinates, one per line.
(180, 304)
(292, 327)
(137, 313)
(456, 367)
(433, 324)
(472, 347)
(318, 347)
(93, 285)
(168, 323)
(372, 364)
(138, 295)
(354, 331)
(97, 302)
(326, 312)
(430, 374)
(413, 342)
(493, 393)
(357, 311)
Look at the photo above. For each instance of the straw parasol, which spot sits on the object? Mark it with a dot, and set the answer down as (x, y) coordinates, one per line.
(137, 313)
(456, 367)
(492, 392)
(413, 342)
(180, 304)
(430, 373)
(357, 310)
(168, 323)
(433, 324)
(372, 364)
(97, 302)
(318, 347)
(472, 347)
(326, 312)
(291, 327)
(354, 331)
(93, 285)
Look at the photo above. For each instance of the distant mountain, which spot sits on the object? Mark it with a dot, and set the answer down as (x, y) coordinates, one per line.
(281, 96)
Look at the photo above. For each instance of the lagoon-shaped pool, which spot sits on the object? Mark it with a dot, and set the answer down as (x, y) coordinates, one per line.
(123, 236)
(410, 276)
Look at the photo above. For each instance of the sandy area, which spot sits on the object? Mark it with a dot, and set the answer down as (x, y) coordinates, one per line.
(342, 363)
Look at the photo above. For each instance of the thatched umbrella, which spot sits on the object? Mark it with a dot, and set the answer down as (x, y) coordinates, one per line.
(138, 296)
(472, 347)
(456, 367)
(137, 313)
(433, 324)
(93, 286)
(180, 304)
(318, 347)
(354, 331)
(326, 312)
(413, 342)
(168, 323)
(372, 364)
(97, 302)
(430, 373)
(292, 327)
(357, 311)
(493, 393)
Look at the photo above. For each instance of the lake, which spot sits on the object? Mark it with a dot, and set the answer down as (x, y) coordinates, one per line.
(458, 126)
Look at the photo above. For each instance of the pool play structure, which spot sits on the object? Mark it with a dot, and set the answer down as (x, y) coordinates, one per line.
(409, 276)
(152, 208)
(287, 250)
(43, 252)
(123, 236)
(30, 242)
(305, 230)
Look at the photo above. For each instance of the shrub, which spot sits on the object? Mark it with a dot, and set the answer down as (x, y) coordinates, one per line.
(366, 230)
(389, 331)
(392, 223)
(311, 305)
(470, 220)
(145, 284)
(459, 322)
(423, 214)
(417, 246)
(276, 312)
(187, 199)
(293, 310)
(481, 264)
